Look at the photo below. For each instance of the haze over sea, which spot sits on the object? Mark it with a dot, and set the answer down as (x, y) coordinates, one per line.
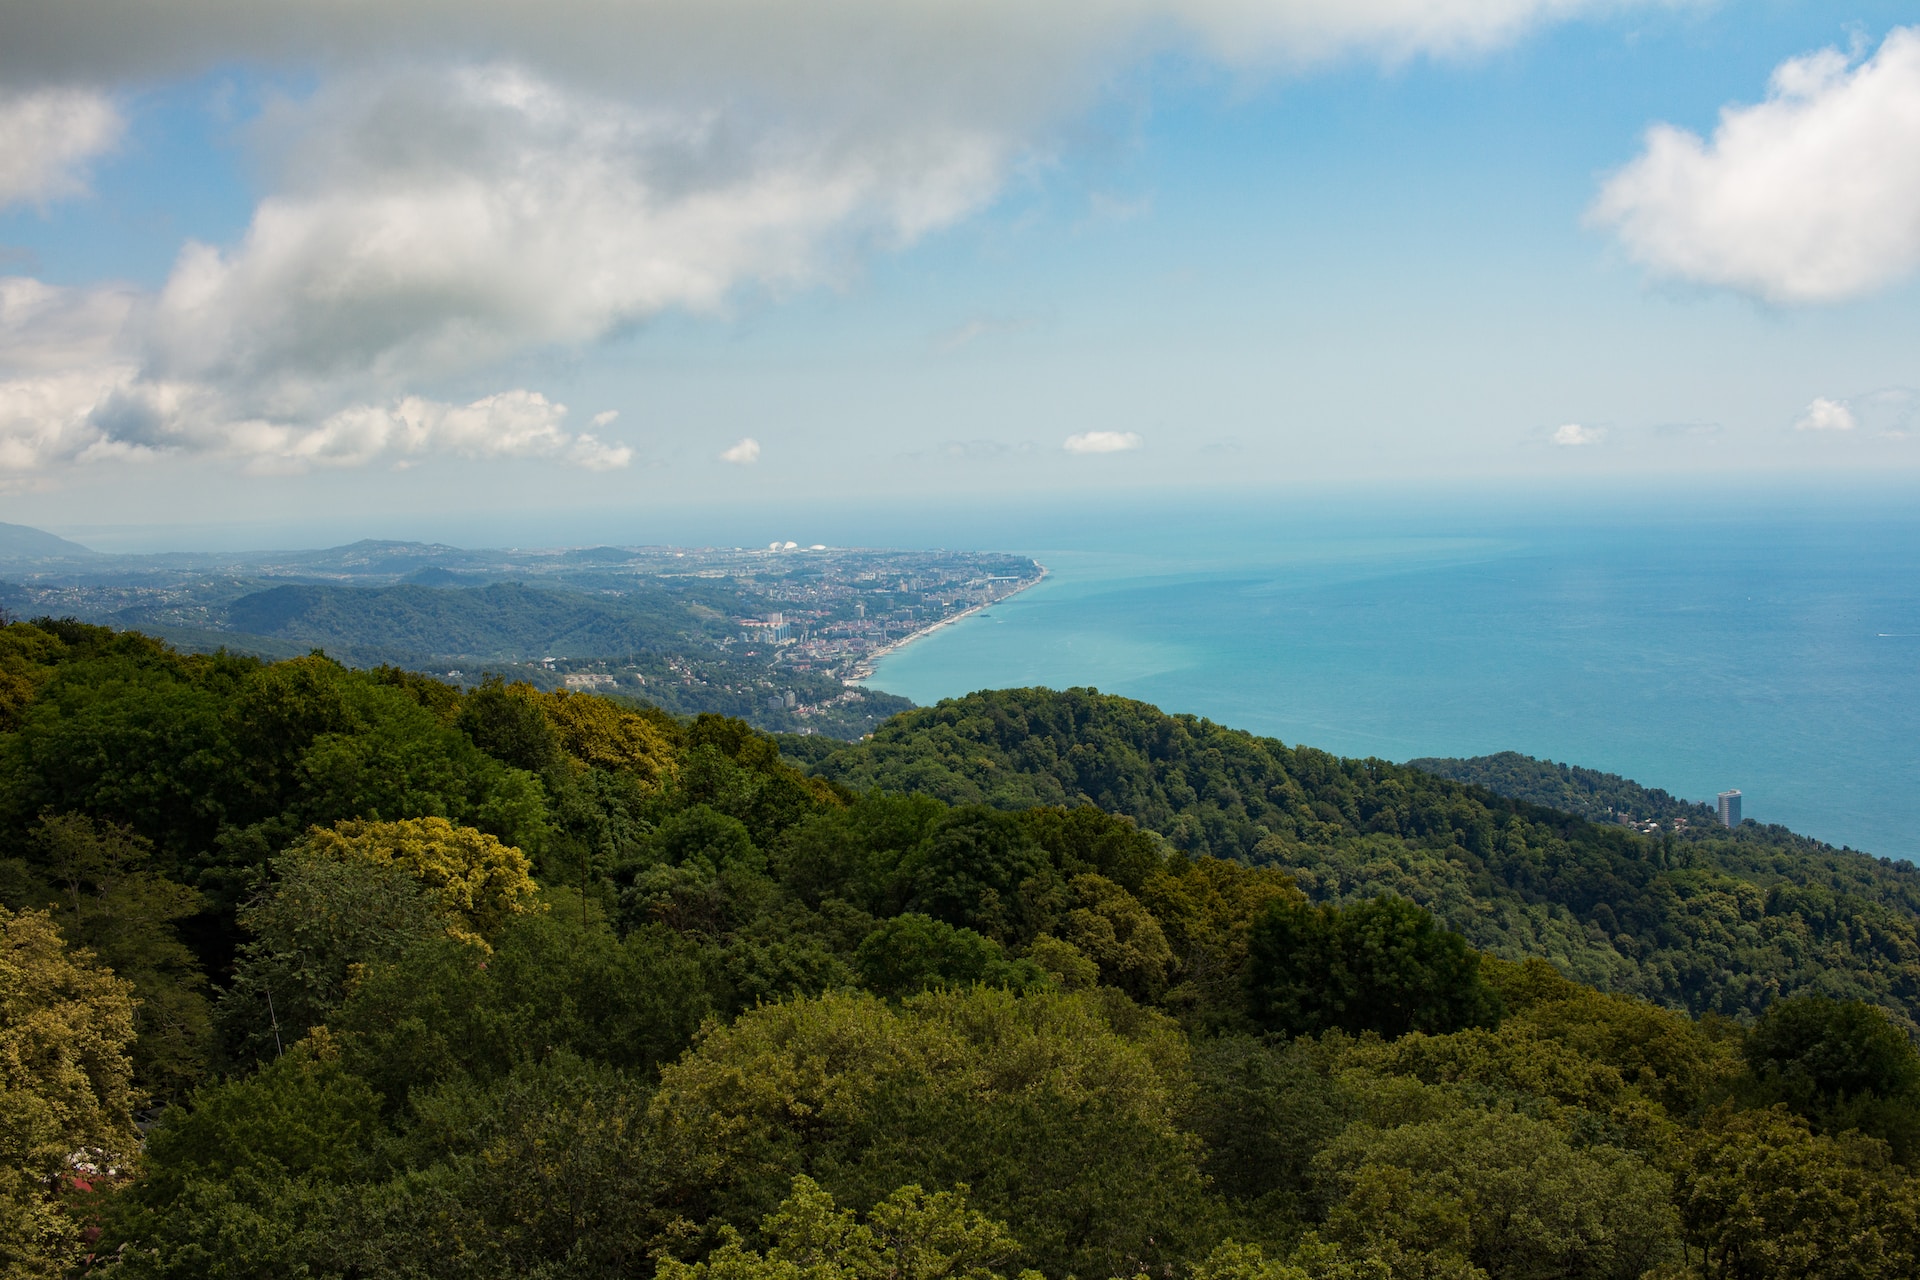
(1688, 646)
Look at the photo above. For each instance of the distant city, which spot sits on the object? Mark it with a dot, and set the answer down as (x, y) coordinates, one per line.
(781, 636)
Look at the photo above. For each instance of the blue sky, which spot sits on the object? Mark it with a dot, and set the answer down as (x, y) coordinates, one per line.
(577, 257)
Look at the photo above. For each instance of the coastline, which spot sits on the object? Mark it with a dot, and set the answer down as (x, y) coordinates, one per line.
(863, 670)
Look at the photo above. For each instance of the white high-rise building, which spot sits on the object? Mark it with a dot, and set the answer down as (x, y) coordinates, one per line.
(1729, 808)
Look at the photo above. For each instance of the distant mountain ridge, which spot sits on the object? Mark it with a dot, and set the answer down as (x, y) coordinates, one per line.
(24, 542)
(370, 561)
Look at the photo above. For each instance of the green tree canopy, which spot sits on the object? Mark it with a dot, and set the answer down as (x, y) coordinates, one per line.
(318, 920)
(98, 880)
(1380, 966)
(911, 953)
(1768, 1199)
(445, 1010)
(1506, 1194)
(970, 868)
(1821, 1052)
(1842, 1064)
(1056, 1110)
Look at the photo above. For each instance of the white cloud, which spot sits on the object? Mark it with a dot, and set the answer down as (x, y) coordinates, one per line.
(1573, 435)
(1102, 442)
(432, 224)
(590, 453)
(1826, 415)
(78, 397)
(46, 419)
(97, 414)
(1810, 196)
(46, 138)
(743, 454)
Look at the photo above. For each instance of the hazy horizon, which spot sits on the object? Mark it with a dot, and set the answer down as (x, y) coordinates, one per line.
(1033, 522)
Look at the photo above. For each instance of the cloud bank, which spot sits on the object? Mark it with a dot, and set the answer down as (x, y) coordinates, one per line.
(428, 226)
(467, 184)
(1810, 196)
(430, 223)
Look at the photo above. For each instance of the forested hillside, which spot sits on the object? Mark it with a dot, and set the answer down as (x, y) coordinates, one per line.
(1767, 850)
(501, 621)
(329, 973)
(1715, 922)
(1595, 796)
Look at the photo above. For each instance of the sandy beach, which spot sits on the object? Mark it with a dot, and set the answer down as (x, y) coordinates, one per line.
(863, 669)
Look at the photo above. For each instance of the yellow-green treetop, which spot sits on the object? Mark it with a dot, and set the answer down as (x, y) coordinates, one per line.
(26, 658)
(605, 735)
(911, 1235)
(66, 1083)
(479, 881)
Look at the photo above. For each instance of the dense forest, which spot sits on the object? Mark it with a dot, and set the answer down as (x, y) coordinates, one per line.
(319, 972)
(1719, 921)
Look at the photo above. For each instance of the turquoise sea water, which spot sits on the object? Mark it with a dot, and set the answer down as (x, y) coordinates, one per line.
(1776, 654)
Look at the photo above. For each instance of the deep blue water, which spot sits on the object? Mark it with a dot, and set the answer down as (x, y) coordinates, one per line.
(1779, 654)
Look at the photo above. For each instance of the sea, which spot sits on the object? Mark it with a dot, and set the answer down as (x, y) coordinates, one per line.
(1765, 642)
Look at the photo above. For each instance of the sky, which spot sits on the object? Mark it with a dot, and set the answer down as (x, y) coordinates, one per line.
(371, 265)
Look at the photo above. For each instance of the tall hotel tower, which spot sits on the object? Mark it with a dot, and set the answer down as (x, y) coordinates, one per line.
(1729, 808)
